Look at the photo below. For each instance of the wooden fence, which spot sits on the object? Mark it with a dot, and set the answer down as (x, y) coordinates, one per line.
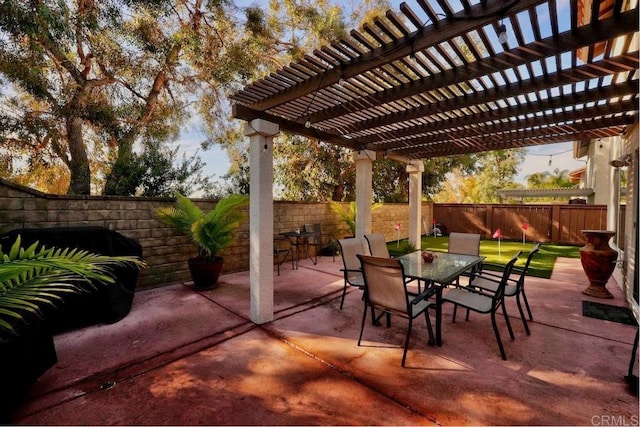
(562, 224)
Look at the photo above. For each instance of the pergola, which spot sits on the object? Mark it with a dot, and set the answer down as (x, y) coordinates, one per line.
(440, 78)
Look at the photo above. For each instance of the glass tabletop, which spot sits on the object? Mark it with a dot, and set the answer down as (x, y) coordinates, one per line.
(297, 234)
(444, 268)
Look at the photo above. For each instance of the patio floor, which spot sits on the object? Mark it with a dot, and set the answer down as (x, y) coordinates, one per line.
(183, 357)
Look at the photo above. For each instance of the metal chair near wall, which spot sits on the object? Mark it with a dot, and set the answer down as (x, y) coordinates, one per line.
(281, 250)
(320, 241)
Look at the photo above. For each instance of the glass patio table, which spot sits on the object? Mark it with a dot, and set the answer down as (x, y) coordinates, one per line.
(299, 241)
(444, 269)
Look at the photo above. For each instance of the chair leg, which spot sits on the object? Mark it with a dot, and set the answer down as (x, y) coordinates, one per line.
(506, 320)
(526, 303)
(455, 309)
(344, 292)
(406, 341)
(467, 316)
(522, 316)
(495, 330)
(364, 318)
(375, 321)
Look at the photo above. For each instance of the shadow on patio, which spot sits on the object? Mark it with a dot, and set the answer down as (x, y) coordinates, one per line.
(186, 357)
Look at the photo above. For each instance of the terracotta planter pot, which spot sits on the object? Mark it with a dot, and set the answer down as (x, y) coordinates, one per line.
(205, 272)
(598, 262)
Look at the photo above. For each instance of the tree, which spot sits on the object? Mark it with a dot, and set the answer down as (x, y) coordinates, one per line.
(557, 179)
(304, 169)
(313, 170)
(492, 171)
(114, 73)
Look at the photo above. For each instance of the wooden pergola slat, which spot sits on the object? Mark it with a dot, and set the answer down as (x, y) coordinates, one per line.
(433, 80)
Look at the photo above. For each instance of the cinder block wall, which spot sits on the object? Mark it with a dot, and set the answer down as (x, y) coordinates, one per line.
(165, 251)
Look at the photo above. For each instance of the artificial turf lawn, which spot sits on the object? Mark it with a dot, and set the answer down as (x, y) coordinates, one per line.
(541, 265)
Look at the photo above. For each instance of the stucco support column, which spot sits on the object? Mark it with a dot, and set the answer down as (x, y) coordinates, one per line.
(415, 169)
(364, 191)
(261, 133)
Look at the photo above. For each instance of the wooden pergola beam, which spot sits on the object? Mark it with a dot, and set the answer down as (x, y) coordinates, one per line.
(539, 50)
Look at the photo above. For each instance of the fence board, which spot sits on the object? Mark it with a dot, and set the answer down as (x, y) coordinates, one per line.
(546, 223)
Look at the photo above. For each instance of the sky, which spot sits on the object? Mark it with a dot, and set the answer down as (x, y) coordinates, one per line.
(537, 159)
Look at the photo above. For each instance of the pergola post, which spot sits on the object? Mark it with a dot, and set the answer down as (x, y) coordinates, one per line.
(364, 190)
(261, 133)
(415, 169)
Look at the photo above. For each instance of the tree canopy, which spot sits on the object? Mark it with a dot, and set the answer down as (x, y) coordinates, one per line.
(96, 94)
(479, 183)
(81, 77)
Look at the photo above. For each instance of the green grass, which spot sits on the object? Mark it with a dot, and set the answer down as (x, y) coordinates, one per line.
(541, 265)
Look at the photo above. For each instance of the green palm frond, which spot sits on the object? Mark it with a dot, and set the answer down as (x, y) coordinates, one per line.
(349, 216)
(32, 277)
(182, 215)
(211, 231)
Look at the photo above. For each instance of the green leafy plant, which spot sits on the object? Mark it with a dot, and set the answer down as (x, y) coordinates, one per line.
(349, 215)
(209, 231)
(33, 278)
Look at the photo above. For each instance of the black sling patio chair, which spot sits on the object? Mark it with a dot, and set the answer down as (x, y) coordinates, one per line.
(385, 289)
(490, 280)
(485, 303)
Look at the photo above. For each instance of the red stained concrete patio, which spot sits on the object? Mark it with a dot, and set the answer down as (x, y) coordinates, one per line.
(186, 357)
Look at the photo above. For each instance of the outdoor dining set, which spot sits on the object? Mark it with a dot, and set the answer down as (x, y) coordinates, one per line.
(412, 284)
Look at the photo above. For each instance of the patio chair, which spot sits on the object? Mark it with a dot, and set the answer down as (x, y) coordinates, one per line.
(475, 300)
(378, 248)
(377, 245)
(466, 244)
(386, 290)
(490, 280)
(281, 250)
(320, 241)
(350, 249)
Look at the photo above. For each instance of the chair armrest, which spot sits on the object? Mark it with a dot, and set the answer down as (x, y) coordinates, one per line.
(493, 279)
(359, 270)
(424, 295)
(488, 274)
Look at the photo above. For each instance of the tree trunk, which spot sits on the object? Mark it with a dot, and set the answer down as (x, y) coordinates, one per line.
(117, 181)
(78, 161)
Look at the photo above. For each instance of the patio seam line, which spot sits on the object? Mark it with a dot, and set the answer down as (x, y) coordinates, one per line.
(114, 372)
(123, 372)
(308, 305)
(584, 333)
(276, 335)
(317, 301)
(314, 268)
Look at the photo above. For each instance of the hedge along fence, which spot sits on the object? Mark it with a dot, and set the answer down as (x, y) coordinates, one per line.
(165, 251)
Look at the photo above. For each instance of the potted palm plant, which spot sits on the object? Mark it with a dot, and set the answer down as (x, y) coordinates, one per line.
(209, 231)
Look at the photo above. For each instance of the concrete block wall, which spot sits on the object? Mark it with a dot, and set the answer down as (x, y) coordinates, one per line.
(165, 251)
